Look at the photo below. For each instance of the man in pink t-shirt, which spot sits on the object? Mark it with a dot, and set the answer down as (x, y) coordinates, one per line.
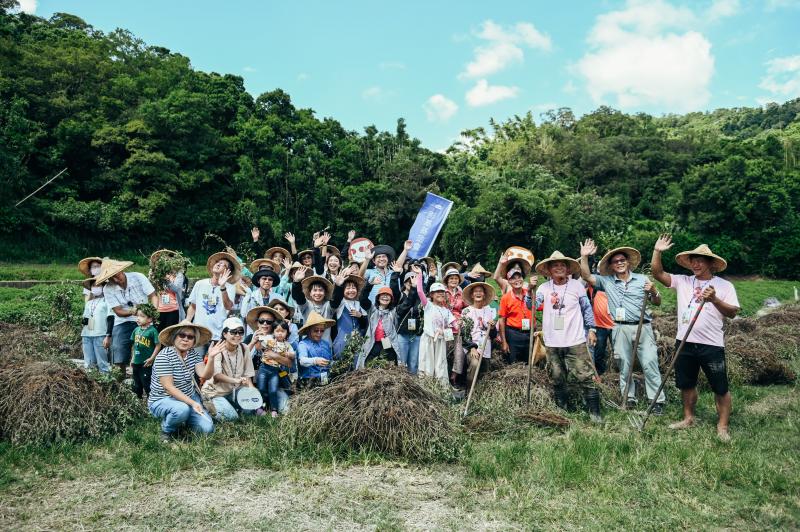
(705, 346)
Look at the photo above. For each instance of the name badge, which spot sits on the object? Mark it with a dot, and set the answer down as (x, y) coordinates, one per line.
(386, 343)
(686, 316)
(558, 323)
(165, 299)
(448, 335)
(619, 314)
(526, 324)
(412, 324)
(91, 323)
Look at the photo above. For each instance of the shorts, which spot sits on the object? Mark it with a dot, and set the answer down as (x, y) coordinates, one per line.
(709, 358)
(121, 342)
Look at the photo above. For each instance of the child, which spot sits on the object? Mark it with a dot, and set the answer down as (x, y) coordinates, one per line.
(145, 348)
(276, 352)
(438, 330)
(98, 320)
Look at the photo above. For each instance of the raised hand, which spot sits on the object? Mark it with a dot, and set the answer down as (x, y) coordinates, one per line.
(663, 243)
(503, 258)
(287, 263)
(255, 233)
(223, 279)
(339, 278)
(396, 267)
(351, 235)
(326, 236)
(300, 274)
(588, 247)
(289, 237)
(416, 269)
(408, 244)
(378, 279)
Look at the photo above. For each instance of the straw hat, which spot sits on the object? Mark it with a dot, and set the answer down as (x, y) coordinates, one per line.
(202, 334)
(156, 254)
(521, 264)
(259, 263)
(83, 265)
(277, 300)
(333, 250)
(479, 270)
(360, 281)
(314, 279)
(572, 264)
(520, 253)
(634, 259)
(450, 272)
(109, 268)
(305, 252)
(450, 266)
(252, 316)
(277, 249)
(488, 290)
(237, 268)
(296, 265)
(718, 264)
(315, 319)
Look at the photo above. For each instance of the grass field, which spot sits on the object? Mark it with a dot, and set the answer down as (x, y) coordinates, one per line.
(245, 475)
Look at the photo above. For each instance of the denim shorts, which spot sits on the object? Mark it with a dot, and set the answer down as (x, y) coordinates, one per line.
(709, 358)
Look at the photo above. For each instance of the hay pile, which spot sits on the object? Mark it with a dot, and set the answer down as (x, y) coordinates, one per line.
(45, 399)
(377, 410)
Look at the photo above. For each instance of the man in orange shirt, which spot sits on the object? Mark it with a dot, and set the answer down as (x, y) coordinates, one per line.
(515, 317)
(603, 324)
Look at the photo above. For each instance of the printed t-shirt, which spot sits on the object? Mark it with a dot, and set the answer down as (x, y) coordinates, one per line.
(209, 308)
(144, 343)
(562, 318)
(708, 329)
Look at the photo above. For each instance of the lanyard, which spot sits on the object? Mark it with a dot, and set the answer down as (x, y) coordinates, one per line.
(563, 295)
(236, 367)
(697, 291)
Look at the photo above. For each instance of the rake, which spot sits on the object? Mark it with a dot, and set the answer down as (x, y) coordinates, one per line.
(633, 418)
(475, 375)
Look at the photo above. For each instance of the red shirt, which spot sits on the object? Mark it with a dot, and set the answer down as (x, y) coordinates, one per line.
(513, 309)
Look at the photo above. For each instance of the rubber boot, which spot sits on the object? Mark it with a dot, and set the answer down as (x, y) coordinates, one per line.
(562, 397)
(593, 405)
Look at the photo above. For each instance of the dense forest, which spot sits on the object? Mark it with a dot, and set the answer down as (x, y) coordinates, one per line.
(160, 154)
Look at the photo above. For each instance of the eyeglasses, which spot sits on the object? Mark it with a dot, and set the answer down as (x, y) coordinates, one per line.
(184, 336)
(619, 261)
(237, 332)
(264, 322)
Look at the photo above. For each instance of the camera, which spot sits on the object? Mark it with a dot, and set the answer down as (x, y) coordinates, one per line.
(85, 321)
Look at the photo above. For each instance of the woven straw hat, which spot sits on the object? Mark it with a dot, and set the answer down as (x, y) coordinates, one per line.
(202, 334)
(479, 270)
(277, 249)
(572, 264)
(277, 300)
(315, 319)
(259, 263)
(252, 316)
(429, 262)
(237, 268)
(487, 289)
(360, 281)
(718, 264)
(452, 265)
(313, 279)
(110, 268)
(634, 259)
(305, 252)
(83, 265)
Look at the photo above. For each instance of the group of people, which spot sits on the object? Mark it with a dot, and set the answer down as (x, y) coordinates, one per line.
(279, 324)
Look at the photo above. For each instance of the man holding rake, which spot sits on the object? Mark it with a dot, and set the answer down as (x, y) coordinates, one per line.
(705, 345)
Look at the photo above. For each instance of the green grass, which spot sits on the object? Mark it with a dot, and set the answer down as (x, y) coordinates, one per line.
(57, 272)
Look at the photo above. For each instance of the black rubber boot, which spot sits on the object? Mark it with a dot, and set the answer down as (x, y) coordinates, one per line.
(562, 397)
(593, 405)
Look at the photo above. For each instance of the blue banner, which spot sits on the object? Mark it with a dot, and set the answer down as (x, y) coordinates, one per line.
(429, 222)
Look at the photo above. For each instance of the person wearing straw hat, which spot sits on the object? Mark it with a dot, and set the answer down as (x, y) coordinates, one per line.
(455, 302)
(264, 281)
(478, 274)
(478, 295)
(705, 346)
(211, 299)
(626, 292)
(98, 324)
(314, 353)
(233, 370)
(89, 267)
(351, 315)
(515, 317)
(518, 256)
(566, 318)
(170, 308)
(174, 392)
(381, 256)
(123, 291)
(313, 295)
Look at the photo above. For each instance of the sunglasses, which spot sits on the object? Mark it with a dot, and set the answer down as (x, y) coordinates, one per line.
(184, 336)
(237, 332)
(264, 322)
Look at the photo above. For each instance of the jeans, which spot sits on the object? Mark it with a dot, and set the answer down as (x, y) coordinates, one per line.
(622, 337)
(175, 413)
(94, 354)
(600, 354)
(267, 383)
(408, 353)
(121, 342)
(226, 411)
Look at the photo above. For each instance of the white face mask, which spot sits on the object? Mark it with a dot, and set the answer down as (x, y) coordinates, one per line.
(95, 271)
(97, 291)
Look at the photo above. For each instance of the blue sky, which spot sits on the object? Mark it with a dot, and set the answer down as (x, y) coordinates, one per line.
(450, 66)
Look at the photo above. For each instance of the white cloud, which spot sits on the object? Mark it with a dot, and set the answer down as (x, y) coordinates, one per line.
(391, 65)
(504, 47)
(720, 9)
(569, 87)
(783, 77)
(544, 107)
(646, 55)
(439, 108)
(249, 69)
(28, 6)
(484, 94)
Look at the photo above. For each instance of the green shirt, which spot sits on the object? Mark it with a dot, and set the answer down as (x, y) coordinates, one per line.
(144, 343)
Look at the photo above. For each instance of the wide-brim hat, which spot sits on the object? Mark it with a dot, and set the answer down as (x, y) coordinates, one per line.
(520, 253)
(83, 265)
(634, 259)
(718, 264)
(383, 249)
(237, 268)
(573, 265)
(333, 250)
(522, 264)
(258, 263)
(360, 281)
(109, 268)
(277, 249)
(487, 289)
(315, 319)
(276, 279)
(202, 334)
(449, 272)
(156, 254)
(480, 270)
(305, 252)
(252, 315)
(314, 279)
(451, 266)
(280, 301)
(384, 291)
(296, 265)
(430, 262)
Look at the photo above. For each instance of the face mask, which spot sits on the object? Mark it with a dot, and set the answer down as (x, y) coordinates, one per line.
(95, 271)
(97, 291)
